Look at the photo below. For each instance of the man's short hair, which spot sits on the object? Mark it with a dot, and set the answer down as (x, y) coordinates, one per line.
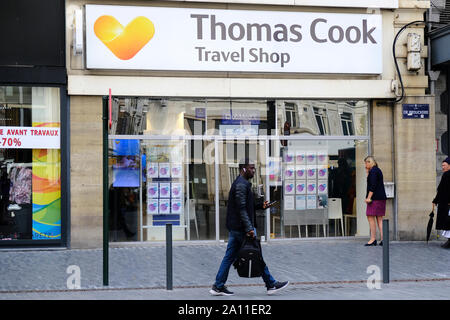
(244, 163)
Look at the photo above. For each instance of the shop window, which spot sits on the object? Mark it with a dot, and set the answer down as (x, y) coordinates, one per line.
(30, 163)
(206, 166)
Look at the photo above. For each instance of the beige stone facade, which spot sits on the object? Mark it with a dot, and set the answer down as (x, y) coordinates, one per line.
(404, 148)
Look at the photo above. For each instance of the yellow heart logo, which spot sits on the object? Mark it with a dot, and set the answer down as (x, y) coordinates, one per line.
(124, 42)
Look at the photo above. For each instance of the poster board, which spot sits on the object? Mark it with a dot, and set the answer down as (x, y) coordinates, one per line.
(305, 186)
(165, 182)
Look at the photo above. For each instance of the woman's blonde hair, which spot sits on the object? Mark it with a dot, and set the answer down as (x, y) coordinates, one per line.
(371, 160)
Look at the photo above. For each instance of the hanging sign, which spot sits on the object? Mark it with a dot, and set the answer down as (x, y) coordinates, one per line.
(187, 39)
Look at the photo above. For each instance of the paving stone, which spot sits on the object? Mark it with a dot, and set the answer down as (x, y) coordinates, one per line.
(334, 268)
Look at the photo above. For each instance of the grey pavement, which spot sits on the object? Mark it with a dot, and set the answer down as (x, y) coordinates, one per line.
(331, 269)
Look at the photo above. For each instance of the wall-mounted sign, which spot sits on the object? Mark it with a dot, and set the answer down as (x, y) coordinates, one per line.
(200, 113)
(416, 111)
(156, 38)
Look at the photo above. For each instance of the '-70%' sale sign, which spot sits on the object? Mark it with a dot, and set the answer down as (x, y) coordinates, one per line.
(29, 138)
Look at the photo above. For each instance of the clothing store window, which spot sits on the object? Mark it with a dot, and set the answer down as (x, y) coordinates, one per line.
(30, 161)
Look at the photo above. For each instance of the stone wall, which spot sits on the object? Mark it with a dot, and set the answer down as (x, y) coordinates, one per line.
(86, 172)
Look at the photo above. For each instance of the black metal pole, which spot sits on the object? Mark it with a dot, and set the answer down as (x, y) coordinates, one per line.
(385, 251)
(169, 261)
(105, 195)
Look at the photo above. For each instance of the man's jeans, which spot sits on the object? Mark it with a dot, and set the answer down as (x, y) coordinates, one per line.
(235, 241)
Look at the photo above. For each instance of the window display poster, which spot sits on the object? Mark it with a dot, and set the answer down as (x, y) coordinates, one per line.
(274, 170)
(300, 202)
(322, 172)
(311, 202)
(125, 147)
(162, 152)
(322, 200)
(289, 172)
(152, 170)
(300, 172)
(300, 157)
(46, 199)
(164, 206)
(289, 188)
(311, 172)
(311, 158)
(312, 187)
(153, 190)
(164, 170)
(322, 186)
(176, 190)
(289, 203)
(322, 158)
(300, 187)
(176, 206)
(164, 190)
(126, 171)
(177, 170)
(46, 136)
(289, 157)
(152, 206)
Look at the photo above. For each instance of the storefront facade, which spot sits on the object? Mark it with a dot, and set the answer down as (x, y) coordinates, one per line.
(33, 126)
(303, 90)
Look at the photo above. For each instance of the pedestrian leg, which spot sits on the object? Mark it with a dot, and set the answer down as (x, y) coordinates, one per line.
(373, 228)
(234, 244)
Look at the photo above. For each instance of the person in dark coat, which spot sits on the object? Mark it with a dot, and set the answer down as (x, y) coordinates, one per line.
(375, 199)
(442, 200)
(241, 222)
(342, 183)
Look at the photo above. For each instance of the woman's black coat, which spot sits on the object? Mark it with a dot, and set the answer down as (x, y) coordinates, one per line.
(442, 199)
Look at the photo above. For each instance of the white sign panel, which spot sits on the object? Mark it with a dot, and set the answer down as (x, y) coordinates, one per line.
(390, 4)
(155, 38)
(30, 137)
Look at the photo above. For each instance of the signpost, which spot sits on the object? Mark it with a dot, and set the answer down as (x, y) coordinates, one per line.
(105, 194)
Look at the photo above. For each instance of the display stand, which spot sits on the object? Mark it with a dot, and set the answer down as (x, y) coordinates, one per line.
(305, 188)
(165, 189)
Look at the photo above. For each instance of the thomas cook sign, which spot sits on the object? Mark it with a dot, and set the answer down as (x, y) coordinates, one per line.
(155, 38)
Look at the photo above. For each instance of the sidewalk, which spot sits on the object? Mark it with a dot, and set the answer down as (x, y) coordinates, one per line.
(317, 269)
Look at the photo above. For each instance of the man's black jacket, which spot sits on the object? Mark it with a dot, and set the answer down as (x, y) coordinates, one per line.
(241, 214)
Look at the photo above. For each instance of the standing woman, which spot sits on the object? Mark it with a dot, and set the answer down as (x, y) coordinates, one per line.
(442, 199)
(375, 199)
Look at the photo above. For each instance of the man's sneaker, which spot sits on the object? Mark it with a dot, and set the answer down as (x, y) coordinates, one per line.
(220, 291)
(277, 287)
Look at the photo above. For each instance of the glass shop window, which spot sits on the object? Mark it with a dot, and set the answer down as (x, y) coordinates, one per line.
(30, 163)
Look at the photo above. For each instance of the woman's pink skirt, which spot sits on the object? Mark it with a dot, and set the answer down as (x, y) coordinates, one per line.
(376, 208)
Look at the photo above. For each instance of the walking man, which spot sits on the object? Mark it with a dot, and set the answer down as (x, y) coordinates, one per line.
(241, 219)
